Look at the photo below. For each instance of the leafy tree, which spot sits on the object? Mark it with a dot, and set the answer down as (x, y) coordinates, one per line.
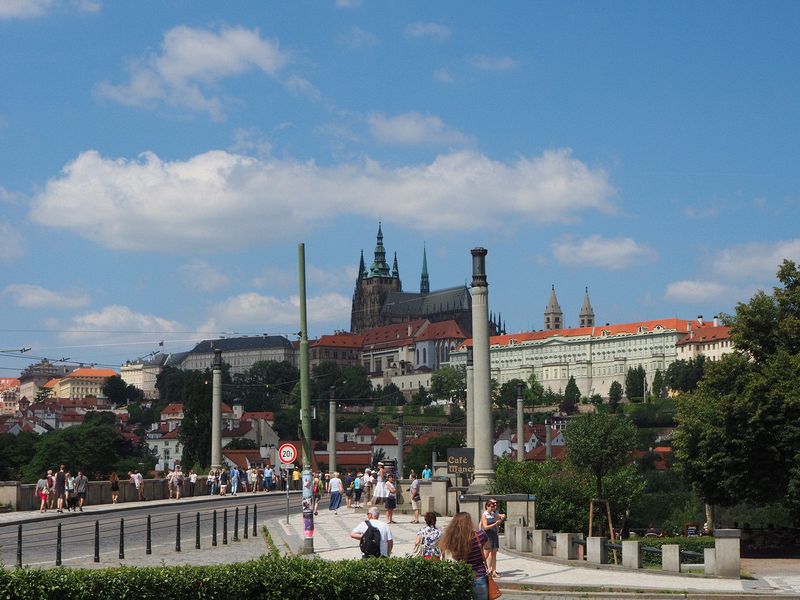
(265, 384)
(551, 398)
(195, 434)
(15, 452)
(241, 444)
(614, 396)
(420, 454)
(634, 383)
(421, 397)
(572, 396)
(391, 395)
(169, 383)
(449, 383)
(115, 389)
(738, 431)
(600, 443)
(683, 375)
(535, 390)
(507, 394)
(596, 400)
(658, 384)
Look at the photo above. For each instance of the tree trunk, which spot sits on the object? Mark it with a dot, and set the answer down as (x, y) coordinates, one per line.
(709, 525)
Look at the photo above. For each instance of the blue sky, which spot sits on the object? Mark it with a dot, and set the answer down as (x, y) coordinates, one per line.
(160, 162)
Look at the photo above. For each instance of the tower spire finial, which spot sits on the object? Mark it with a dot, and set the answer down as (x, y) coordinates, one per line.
(424, 280)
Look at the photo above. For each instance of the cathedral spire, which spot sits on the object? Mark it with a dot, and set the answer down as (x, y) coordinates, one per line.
(424, 282)
(379, 268)
(395, 270)
(361, 267)
(553, 317)
(586, 317)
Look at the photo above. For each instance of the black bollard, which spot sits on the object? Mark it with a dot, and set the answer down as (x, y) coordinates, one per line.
(122, 538)
(197, 532)
(214, 528)
(148, 547)
(97, 541)
(225, 526)
(178, 533)
(246, 513)
(19, 546)
(255, 518)
(236, 525)
(58, 546)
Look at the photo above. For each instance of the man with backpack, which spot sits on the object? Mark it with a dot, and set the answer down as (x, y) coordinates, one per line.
(375, 537)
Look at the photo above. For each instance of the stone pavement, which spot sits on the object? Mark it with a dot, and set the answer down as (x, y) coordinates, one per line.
(517, 571)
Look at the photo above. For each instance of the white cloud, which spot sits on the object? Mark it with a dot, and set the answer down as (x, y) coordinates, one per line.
(256, 311)
(494, 63)
(414, 128)
(357, 38)
(28, 9)
(605, 253)
(328, 278)
(433, 31)
(201, 276)
(692, 291)
(190, 63)
(9, 197)
(11, 243)
(27, 295)
(755, 260)
(117, 323)
(185, 205)
(443, 75)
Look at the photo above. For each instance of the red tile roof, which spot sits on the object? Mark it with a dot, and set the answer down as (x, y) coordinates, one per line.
(707, 334)
(559, 453)
(385, 438)
(338, 340)
(92, 373)
(8, 382)
(266, 416)
(444, 330)
(390, 335)
(244, 458)
(174, 408)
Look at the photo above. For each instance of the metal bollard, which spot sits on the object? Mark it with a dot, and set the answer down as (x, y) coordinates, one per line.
(122, 538)
(236, 525)
(225, 526)
(178, 533)
(19, 546)
(148, 542)
(97, 541)
(214, 528)
(58, 546)
(197, 532)
(246, 513)
(255, 518)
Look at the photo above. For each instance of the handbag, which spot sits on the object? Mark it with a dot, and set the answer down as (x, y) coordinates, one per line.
(492, 589)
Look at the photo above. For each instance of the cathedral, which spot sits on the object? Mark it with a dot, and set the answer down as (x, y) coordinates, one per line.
(379, 299)
(554, 317)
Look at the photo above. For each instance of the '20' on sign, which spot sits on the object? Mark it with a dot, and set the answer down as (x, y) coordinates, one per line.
(287, 453)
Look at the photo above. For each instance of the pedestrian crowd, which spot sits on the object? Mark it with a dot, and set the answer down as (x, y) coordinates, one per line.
(62, 490)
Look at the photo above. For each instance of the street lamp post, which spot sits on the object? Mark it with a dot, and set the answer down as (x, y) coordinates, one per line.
(332, 431)
(520, 424)
(216, 411)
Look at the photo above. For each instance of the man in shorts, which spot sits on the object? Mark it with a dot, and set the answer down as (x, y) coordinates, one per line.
(81, 488)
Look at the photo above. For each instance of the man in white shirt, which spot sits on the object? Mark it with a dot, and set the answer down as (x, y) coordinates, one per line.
(387, 540)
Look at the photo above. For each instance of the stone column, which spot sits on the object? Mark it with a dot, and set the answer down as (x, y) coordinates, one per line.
(470, 400)
(332, 431)
(520, 425)
(727, 552)
(401, 443)
(483, 424)
(216, 411)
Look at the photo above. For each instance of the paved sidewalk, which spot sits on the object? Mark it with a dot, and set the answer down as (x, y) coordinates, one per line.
(518, 571)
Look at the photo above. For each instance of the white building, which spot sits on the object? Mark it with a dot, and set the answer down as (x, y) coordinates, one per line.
(240, 353)
(595, 356)
(711, 341)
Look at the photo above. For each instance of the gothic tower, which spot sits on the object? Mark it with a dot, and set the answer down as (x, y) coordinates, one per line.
(586, 317)
(373, 285)
(553, 317)
(424, 282)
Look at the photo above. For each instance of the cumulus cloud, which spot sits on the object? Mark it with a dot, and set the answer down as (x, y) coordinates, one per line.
(9, 197)
(755, 260)
(494, 63)
(327, 278)
(201, 276)
(185, 205)
(116, 323)
(257, 311)
(693, 291)
(11, 243)
(28, 295)
(433, 31)
(190, 62)
(357, 38)
(605, 253)
(28, 9)
(414, 128)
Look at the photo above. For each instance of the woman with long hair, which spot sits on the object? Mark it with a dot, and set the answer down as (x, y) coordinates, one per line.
(42, 492)
(464, 543)
(490, 523)
(114, 479)
(391, 498)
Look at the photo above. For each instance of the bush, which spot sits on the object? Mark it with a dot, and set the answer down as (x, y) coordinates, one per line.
(691, 544)
(287, 578)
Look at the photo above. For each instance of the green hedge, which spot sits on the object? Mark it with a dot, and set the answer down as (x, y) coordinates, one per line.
(287, 578)
(692, 544)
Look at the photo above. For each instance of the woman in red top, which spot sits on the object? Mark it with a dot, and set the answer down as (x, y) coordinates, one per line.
(463, 542)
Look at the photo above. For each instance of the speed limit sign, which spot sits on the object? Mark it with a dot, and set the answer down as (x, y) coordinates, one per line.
(287, 453)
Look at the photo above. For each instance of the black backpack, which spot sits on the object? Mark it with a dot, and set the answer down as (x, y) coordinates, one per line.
(371, 541)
